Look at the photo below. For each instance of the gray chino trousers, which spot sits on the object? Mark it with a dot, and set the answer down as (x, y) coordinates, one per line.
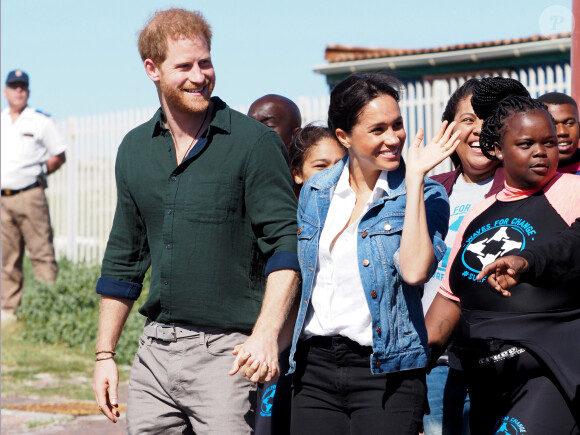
(183, 387)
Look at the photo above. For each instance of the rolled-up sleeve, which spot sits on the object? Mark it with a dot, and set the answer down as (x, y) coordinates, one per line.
(118, 289)
(271, 203)
(127, 256)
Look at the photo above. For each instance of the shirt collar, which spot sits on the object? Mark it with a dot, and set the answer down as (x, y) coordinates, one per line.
(510, 193)
(381, 187)
(327, 179)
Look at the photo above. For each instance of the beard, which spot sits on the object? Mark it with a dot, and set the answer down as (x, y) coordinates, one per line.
(178, 99)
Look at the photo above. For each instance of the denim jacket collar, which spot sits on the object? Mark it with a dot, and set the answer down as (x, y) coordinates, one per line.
(327, 180)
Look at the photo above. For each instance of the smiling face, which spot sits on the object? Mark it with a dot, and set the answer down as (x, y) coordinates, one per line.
(186, 77)
(566, 118)
(376, 140)
(476, 167)
(529, 150)
(321, 155)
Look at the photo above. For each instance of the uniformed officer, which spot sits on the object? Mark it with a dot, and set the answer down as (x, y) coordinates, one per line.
(32, 147)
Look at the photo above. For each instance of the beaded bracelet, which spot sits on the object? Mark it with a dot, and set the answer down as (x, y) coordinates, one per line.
(103, 359)
(112, 352)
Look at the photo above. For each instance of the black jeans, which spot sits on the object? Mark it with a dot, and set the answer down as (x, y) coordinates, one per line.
(335, 393)
(512, 392)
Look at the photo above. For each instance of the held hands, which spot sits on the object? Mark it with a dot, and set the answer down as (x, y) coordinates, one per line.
(420, 160)
(106, 380)
(504, 273)
(256, 359)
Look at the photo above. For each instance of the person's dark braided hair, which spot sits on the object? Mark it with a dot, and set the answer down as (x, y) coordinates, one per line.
(493, 100)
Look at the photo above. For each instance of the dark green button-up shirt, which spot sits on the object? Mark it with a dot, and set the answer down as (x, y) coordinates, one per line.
(211, 228)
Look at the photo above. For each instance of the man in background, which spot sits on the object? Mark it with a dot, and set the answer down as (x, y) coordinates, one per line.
(564, 110)
(279, 113)
(32, 148)
(274, 398)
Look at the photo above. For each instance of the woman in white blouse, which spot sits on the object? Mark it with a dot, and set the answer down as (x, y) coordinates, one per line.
(371, 231)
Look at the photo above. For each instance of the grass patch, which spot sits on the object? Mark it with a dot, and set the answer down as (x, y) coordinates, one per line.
(49, 351)
(46, 422)
(45, 370)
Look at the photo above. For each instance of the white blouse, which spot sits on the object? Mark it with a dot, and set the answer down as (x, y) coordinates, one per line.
(338, 305)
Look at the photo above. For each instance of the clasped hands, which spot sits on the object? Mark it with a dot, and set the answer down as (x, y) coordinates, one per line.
(257, 360)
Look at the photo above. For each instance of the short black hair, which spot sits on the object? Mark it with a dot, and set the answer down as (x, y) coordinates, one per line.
(463, 91)
(351, 95)
(494, 99)
(557, 98)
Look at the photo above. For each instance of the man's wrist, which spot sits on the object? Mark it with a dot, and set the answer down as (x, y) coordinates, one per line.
(266, 331)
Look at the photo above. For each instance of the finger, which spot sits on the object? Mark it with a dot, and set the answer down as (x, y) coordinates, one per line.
(452, 142)
(484, 272)
(453, 147)
(418, 138)
(503, 292)
(113, 398)
(235, 366)
(245, 358)
(240, 361)
(248, 369)
(112, 408)
(500, 290)
(237, 348)
(261, 374)
(104, 407)
(275, 369)
(252, 369)
(492, 281)
(265, 372)
(441, 130)
(270, 375)
(502, 285)
(449, 131)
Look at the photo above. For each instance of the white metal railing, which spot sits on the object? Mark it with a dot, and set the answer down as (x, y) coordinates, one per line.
(82, 195)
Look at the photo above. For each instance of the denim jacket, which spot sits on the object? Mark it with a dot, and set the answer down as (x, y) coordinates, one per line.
(399, 333)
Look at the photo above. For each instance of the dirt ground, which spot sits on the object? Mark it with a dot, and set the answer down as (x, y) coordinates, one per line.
(28, 418)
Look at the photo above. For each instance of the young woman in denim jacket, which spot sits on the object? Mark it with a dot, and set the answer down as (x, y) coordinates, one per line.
(371, 231)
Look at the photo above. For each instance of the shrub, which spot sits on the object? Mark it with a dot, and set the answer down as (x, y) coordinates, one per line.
(67, 312)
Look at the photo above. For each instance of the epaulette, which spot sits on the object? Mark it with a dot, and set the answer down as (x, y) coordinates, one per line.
(43, 113)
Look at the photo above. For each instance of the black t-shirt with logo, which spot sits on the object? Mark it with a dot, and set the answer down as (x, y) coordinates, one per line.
(507, 228)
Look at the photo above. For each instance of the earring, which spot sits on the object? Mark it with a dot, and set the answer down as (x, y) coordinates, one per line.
(500, 156)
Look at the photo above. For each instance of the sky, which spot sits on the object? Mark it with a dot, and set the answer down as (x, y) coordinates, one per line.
(82, 57)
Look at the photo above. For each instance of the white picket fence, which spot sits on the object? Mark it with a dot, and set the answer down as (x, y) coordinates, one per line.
(82, 193)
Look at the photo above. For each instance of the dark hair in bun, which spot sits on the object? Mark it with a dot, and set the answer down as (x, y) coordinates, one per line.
(494, 99)
(349, 97)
